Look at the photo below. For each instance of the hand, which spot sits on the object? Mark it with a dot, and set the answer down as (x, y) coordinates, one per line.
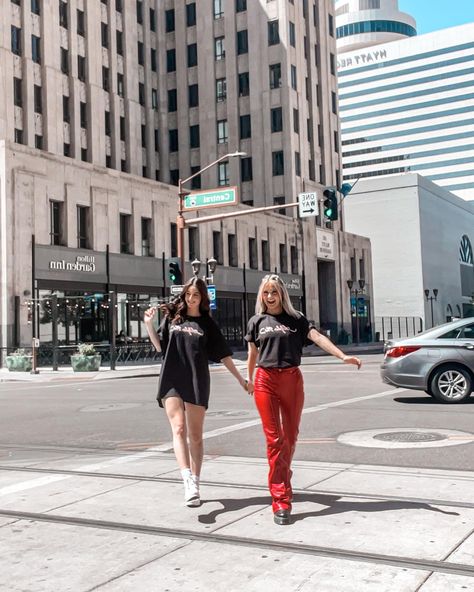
(352, 360)
(250, 387)
(150, 314)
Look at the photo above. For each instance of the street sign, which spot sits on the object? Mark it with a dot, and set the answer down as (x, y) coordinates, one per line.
(308, 204)
(213, 198)
(176, 290)
(211, 292)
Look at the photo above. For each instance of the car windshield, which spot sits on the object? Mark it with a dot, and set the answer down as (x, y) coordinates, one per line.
(466, 332)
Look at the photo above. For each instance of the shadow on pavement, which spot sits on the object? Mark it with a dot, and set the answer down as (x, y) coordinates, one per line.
(333, 503)
(430, 401)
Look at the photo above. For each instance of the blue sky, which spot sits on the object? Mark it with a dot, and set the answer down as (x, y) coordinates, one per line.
(431, 15)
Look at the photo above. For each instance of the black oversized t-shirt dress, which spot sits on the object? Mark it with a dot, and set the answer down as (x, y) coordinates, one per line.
(279, 339)
(188, 347)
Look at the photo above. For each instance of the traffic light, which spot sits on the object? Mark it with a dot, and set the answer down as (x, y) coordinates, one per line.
(174, 272)
(330, 204)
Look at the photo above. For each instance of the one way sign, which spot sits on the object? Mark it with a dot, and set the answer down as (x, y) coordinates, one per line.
(308, 204)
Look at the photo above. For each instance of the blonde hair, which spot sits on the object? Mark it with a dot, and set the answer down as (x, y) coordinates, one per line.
(276, 281)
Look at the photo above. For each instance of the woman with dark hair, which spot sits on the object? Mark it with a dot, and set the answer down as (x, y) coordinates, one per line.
(276, 335)
(189, 338)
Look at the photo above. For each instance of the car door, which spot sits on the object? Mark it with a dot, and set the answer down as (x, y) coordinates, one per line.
(466, 345)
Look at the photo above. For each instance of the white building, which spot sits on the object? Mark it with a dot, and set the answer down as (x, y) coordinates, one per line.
(408, 106)
(362, 23)
(422, 239)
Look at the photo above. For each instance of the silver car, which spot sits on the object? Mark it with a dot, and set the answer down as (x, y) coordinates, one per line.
(439, 361)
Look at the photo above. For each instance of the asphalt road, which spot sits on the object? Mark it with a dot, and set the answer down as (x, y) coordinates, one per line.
(123, 415)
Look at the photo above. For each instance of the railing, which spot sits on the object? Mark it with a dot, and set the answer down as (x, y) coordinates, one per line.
(397, 327)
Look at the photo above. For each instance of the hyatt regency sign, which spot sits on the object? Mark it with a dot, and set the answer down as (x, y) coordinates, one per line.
(362, 58)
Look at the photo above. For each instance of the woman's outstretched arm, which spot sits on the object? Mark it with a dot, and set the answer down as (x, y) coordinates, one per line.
(328, 346)
(149, 317)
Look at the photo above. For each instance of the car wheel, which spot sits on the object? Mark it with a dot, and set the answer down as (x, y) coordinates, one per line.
(451, 384)
(429, 392)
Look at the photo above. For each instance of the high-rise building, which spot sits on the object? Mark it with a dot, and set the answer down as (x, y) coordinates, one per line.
(362, 23)
(408, 106)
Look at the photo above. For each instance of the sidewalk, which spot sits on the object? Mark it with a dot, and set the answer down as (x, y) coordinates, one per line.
(65, 373)
(117, 524)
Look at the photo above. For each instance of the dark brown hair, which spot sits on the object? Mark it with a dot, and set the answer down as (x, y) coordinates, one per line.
(178, 309)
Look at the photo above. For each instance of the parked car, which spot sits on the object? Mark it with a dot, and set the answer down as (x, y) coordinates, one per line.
(439, 361)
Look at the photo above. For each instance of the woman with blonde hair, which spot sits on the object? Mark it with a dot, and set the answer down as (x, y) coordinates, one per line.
(276, 335)
(189, 338)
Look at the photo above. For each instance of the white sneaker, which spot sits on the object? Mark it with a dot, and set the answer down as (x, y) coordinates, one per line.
(191, 492)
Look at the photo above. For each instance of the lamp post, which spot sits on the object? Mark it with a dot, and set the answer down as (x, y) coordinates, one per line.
(356, 291)
(211, 265)
(430, 299)
(182, 193)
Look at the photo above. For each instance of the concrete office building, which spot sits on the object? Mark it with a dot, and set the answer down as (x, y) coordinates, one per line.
(105, 98)
(422, 238)
(407, 106)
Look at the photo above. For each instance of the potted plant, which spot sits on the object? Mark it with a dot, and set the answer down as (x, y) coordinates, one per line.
(87, 359)
(19, 361)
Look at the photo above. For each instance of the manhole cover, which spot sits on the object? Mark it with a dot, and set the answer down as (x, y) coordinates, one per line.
(227, 413)
(108, 407)
(409, 437)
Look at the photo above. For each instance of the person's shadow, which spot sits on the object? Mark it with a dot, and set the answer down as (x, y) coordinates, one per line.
(333, 504)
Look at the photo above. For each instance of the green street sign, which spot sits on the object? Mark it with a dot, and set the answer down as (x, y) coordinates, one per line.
(214, 198)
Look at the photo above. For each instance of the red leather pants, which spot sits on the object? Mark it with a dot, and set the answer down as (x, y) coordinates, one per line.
(279, 397)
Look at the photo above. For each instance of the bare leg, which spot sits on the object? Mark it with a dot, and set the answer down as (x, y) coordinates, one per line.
(194, 425)
(174, 408)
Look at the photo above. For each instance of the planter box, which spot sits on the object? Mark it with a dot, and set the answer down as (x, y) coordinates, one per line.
(85, 363)
(19, 363)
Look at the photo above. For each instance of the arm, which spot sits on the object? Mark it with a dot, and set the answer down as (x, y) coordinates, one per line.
(328, 346)
(251, 363)
(149, 316)
(229, 364)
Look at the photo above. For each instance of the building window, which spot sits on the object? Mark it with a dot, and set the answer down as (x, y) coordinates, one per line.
(218, 9)
(141, 94)
(17, 92)
(152, 20)
(292, 34)
(242, 42)
(275, 76)
(173, 140)
(107, 125)
(336, 142)
(83, 227)
(38, 142)
(172, 100)
(153, 61)
(38, 102)
(265, 255)
(193, 241)
(217, 247)
(35, 7)
(332, 61)
(240, 5)
(83, 114)
(122, 129)
(276, 118)
(244, 88)
(174, 180)
(219, 48)
(104, 34)
(296, 121)
(140, 53)
(246, 173)
(221, 90)
(169, 20)
(84, 156)
(191, 14)
(119, 42)
(192, 55)
(193, 95)
(232, 248)
(223, 174)
(297, 164)
(120, 85)
(333, 102)
(16, 40)
(139, 12)
(171, 60)
(146, 237)
(36, 49)
(273, 33)
(253, 255)
(55, 222)
(222, 131)
(64, 61)
(293, 77)
(154, 98)
(63, 22)
(66, 110)
(194, 141)
(105, 79)
(195, 181)
(294, 259)
(331, 25)
(118, 5)
(277, 163)
(245, 127)
(283, 259)
(125, 233)
(81, 68)
(66, 149)
(18, 136)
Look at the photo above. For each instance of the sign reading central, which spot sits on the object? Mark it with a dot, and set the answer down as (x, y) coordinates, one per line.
(213, 198)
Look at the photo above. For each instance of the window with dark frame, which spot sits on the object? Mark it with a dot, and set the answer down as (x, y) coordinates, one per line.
(246, 173)
(296, 121)
(275, 75)
(146, 237)
(196, 181)
(173, 140)
(119, 42)
(38, 99)
(17, 92)
(141, 94)
(16, 40)
(105, 78)
(152, 20)
(232, 248)
(240, 5)
(294, 259)
(273, 33)
(242, 42)
(172, 100)
(293, 77)
(191, 14)
(120, 85)
(217, 247)
(38, 142)
(122, 129)
(125, 233)
(174, 178)
(169, 20)
(223, 173)
(83, 227)
(83, 114)
(278, 163)
(104, 34)
(283, 258)
(140, 53)
(193, 95)
(292, 34)
(154, 98)
(245, 127)
(153, 60)
(55, 222)
(244, 87)
(18, 136)
(218, 10)
(81, 68)
(219, 48)
(36, 7)
(253, 254)
(63, 20)
(193, 242)
(173, 239)
(276, 119)
(221, 90)
(36, 49)
(171, 60)
(297, 164)
(139, 12)
(265, 255)
(194, 140)
(66, 109)
(192, 55)
(107, 123)
(222, 131)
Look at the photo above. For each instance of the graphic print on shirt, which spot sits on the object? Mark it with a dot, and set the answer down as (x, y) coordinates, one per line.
(276, 329)
(186, 329)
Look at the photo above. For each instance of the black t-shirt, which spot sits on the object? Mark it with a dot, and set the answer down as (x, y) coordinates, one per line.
(279, 339)
(187, 348)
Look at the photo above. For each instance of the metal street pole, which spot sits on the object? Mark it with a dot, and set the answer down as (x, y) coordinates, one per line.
(357, 315)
